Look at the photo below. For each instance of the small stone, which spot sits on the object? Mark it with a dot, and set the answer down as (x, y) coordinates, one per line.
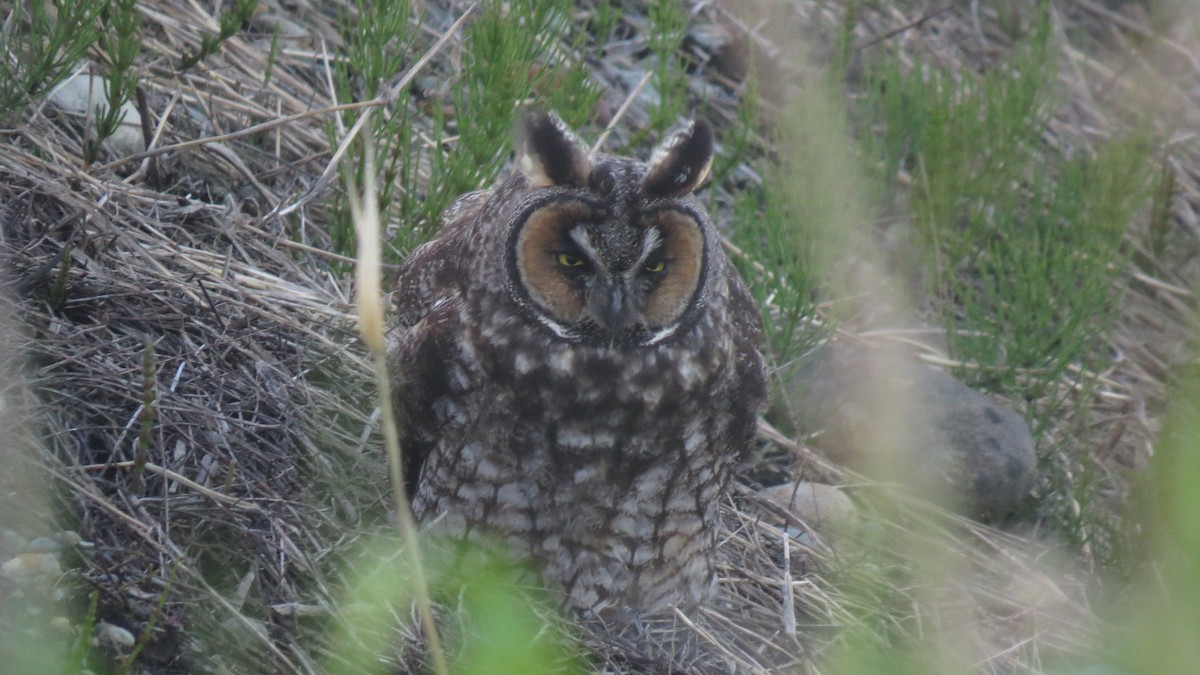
(84, 94)
(68, 538)
(43, 545)
(114, 635)
(824, 508)
(50, 566)
(28, 565)
(11, 541)
(288, 30)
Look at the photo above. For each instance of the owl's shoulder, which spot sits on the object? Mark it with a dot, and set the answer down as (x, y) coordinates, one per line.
(422, 366)
(438, 270)
(745, 316)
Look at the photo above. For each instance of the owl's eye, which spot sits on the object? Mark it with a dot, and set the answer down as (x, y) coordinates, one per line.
(568, 260)
(656, 267)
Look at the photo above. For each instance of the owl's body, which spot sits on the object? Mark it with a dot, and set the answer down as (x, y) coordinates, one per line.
(578, 370)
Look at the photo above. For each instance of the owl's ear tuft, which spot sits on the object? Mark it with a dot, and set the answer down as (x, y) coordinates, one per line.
(549, 153)
(681, 162)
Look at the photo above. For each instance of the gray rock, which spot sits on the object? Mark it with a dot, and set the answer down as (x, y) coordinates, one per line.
(87, 94)
(824, 508)
(895, 418)
(68, 538)
(11, 542)
(30, 566)
(43, 545)
(272, 22)
(114, 636)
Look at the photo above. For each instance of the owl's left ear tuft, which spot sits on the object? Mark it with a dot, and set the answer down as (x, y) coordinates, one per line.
(681, 162)
(549, 153)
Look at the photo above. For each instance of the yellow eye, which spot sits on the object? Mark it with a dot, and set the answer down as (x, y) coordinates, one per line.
(568, 260)
(657, 266)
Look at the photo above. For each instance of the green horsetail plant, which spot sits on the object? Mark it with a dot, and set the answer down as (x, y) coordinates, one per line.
(41, 49)
(1021, 247)
(229, 24)
(503, 70)
(668, 80)
(58, 291)
(122, 43)
(506, 69)
(378, 47)
(148, 631)
(146, 417)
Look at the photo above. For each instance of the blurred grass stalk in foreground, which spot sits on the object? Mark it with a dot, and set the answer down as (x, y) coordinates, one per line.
(1158, 628)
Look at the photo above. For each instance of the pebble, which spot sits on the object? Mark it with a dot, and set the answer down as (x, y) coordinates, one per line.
(68, 538)
(288, 29)
(28, 565)
(824, 508)
(109, 634)
(11, 541)
(82, 94)
(43, 545)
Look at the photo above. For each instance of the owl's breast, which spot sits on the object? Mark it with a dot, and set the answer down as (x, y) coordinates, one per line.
(605, 464)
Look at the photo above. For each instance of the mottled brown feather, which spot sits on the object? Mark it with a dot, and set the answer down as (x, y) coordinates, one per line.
(597, 439)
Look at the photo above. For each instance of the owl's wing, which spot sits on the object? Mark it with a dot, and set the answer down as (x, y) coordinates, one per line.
(429, 296)
(744, 313)
(752, 373)
(436, 269)
(419, 368)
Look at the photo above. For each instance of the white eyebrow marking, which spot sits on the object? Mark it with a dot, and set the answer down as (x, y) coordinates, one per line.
(583, 238)
(651, 240)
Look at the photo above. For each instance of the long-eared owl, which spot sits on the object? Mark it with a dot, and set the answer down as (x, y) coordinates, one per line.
(578, 369)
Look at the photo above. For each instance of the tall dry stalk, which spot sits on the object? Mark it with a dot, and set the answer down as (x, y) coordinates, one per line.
(364, 210)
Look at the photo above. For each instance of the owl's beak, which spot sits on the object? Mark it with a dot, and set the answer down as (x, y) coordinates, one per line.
(611, 308)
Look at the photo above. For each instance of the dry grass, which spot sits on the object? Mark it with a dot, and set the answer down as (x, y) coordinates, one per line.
(266, 472)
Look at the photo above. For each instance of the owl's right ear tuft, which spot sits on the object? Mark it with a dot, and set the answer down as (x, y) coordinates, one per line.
(681, 162)
(549, 153)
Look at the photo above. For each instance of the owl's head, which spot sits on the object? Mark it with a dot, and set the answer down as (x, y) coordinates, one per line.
(607, 250)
